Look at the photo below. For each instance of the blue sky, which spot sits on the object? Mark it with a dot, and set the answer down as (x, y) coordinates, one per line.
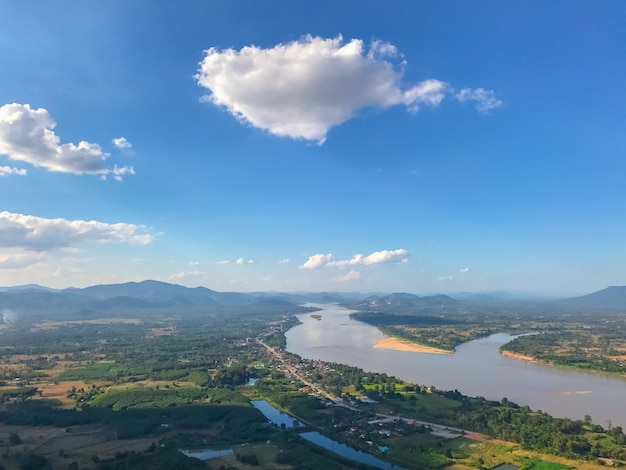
(334, 145)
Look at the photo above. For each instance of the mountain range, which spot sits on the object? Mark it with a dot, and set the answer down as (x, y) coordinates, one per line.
(150, 296)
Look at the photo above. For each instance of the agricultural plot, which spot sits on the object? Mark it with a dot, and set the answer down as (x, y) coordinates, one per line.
(147, 398)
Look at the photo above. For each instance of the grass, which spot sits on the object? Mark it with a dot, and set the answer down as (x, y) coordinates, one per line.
(536, 464)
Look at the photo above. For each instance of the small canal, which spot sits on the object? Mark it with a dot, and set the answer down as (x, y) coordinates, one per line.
(279, 419)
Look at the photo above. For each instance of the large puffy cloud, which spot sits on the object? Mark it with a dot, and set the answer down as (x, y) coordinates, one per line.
(27, 135)
(378, 257)
(40, 234)
(303, 88)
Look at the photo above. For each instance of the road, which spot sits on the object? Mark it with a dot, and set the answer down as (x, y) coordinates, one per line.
(437, 429)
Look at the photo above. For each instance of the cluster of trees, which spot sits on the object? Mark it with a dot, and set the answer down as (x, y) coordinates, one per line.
(581, 348)
(154, 459)
(535, 430)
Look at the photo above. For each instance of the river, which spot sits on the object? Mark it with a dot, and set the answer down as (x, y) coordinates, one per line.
(476, 368)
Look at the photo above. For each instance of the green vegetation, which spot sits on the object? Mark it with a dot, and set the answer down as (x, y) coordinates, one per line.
(599, 348)
(564, 336)
(159, 459)
(180, 381)
(147, 398)
(535, 464)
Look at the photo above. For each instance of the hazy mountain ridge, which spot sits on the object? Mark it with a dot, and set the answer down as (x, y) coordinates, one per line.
(149, 296)
(137, 298)
(400, 302)
(611, 297)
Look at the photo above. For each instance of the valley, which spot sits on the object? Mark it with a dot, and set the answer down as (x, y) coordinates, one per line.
(132, 386)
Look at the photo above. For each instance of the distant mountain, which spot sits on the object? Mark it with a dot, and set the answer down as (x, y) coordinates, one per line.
(136, 298)
(325, 297)
(611, 297)
(402, 302)
(35, 300)
(509, 297)
(164, 293)
(32, 287)
(478, 299)
(147, 290)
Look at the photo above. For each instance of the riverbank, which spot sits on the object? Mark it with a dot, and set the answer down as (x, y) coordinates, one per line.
(398, 344)
(514, 355)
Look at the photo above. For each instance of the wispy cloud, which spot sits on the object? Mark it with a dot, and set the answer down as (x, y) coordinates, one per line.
(245, 261)
(19, 261)
(27, 135)
(351, 276)
(124, 145)
(378, 257)
(464, 270)
(283, 261)
(195, 274)
(40, 234)
(485, 99)
(303, 88)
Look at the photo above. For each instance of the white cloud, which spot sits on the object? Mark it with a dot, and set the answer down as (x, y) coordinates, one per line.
(464, 270)
(194, 263)
(245, 261)
(303, 88)
(351, 276)
(27, 135)
(123, 144)
(445, 278)
(19, 261)
(41, 234)
(283, 261)
(196, 274)
(225, 261)
(485, 99)
(379, 257)
(318, 261)
(7, 170)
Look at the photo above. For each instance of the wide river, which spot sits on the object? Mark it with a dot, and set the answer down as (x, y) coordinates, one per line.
(475, 369)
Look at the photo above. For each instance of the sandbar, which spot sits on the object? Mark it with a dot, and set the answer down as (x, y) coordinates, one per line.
(522, 357)
(398, 344)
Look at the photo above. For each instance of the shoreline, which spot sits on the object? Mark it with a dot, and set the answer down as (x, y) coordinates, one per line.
(398, 344)
(514, 355)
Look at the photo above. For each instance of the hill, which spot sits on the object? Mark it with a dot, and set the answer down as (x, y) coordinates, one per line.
(136, 298)
(401, 303)
(611, 297)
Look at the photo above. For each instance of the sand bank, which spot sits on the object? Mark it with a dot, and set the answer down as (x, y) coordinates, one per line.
(398, 344)
(519, 356)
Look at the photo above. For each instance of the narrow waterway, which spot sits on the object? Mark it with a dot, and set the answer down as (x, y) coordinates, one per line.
(282, 419)
(476, 368)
